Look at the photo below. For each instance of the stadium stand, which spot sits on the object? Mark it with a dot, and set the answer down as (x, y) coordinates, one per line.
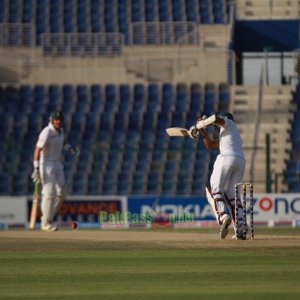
(162, 63)
(107, 134)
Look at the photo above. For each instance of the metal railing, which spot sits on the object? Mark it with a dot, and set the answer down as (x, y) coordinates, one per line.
(17, 35)
(82, 44)
(163, 33)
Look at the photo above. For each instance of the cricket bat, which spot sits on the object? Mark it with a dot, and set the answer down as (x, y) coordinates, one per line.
(35, 206)
(177, 131)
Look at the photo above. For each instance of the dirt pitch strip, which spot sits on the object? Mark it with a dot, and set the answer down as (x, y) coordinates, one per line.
(140, 239)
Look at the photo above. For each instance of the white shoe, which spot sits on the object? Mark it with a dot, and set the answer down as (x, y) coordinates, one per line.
(224, 228)
(49, 228)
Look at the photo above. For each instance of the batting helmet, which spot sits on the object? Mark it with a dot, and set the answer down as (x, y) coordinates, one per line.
(57, 115)
(225, 115)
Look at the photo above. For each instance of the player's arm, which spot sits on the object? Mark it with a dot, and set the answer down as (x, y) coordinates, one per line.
(36, 164)
(209, 144)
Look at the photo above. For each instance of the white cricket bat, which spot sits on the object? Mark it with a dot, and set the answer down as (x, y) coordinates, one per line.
(177, 131)
(34, 207)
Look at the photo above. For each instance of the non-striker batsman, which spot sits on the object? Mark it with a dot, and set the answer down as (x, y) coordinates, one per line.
(48, 168)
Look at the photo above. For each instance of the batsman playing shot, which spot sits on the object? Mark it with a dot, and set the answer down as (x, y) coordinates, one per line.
(48, 168)
(228, 169)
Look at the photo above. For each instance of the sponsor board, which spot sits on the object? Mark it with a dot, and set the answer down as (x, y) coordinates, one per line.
(280, 209)
(178, 209)
(85, 209)
(13, 211)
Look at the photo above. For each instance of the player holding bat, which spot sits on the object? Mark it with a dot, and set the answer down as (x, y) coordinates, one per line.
(228, 169)
(48, 169)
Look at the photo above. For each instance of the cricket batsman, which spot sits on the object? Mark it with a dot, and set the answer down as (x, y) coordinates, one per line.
(48, 168)
(228, 169)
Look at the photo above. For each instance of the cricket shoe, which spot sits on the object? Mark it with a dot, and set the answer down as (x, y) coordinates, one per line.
(49, 228)
(239, 233)
(224, 228)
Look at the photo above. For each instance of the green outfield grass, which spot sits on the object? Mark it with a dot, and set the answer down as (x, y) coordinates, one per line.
(50, 269)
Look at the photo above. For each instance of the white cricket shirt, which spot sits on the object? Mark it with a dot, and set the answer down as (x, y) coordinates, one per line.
(230, 140)
(52, 142)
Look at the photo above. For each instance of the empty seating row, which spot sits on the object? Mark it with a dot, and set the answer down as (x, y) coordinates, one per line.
(109, 15)
(113, 98)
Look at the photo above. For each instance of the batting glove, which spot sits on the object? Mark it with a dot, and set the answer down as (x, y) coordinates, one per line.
(35, 176)
(73, 150)
(193, 132)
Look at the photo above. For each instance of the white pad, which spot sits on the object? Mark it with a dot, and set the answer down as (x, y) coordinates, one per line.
(206, 122)
(212, 202)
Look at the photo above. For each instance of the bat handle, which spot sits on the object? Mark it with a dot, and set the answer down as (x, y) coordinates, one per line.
(36, 187)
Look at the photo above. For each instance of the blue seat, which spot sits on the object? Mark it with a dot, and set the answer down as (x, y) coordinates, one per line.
(191, 11)
(82, 98)
(153, 98)
(54, 16)
(27, 11)
(177, 10)
(12, 100)
(128, 160)
(163, 120)
(41, 7)
(182, 98)
(77, 122)
(96, 98)
(178, 119)
(167, 97)
(123, 187)
(54, 97)
(5, 184)
(150, 14)
(132, 140)
(175, 144)
(82, 14)
(224, 97)
(109, 16)
(2, 11)
(95, 16)
(92, 120)
(136, 11)
(149, 121)
(120, 121)
(13, 13)
(163, 10)
(139, 98)
(34, 122)
(68, 16)
(117, 140)
(40, 99)
(196, 101)
(125, 98)
(110, 98)
(211, 101)
(106, 121)
(68, 96)
(191, 118)
(134, 121)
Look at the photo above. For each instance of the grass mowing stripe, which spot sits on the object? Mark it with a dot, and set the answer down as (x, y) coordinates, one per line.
(159, 274)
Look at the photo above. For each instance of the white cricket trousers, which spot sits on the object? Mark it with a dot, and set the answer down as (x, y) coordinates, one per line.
(227, 171)
(53, 182)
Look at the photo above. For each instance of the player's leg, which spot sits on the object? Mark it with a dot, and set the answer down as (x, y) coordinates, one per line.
(61, 189)
(48, 197)
(218, 183)
(236, 177)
